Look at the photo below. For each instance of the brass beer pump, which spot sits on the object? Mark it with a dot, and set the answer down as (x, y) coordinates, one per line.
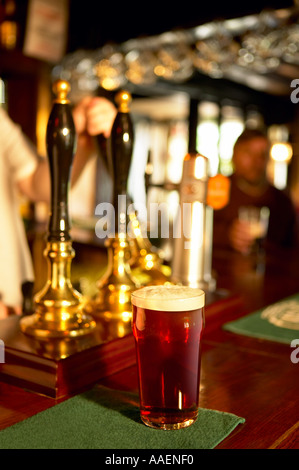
(145, 263)
(113, 299)
(58, 306)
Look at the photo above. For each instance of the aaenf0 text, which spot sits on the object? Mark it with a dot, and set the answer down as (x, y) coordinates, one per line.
(159, 459)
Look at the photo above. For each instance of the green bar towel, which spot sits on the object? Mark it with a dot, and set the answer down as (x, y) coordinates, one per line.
(108, 419)
(268, 323)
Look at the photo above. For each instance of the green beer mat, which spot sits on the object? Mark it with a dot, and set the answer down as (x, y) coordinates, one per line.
(277, 322)
(108, 419)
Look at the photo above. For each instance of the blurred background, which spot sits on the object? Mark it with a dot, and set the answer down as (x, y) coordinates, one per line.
(198, 73)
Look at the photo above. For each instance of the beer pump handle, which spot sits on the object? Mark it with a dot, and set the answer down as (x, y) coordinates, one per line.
(102, 145)
(122, 137)
(60, 143)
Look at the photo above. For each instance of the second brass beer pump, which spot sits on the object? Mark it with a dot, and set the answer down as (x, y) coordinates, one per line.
(145, 263)
(58, 306)
(113, 300)
(129, 254)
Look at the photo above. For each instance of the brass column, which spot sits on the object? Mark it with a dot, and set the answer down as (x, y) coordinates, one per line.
(59, 307)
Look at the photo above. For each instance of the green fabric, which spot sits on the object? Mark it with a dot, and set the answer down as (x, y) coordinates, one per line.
(107, 419)
(257, 324)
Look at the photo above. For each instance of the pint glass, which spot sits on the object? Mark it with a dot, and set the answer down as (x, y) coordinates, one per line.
(167, 326)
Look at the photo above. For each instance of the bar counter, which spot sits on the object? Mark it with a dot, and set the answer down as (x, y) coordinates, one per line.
(253, 378)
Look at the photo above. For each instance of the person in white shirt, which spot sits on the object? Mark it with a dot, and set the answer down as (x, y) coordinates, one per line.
(22, 171)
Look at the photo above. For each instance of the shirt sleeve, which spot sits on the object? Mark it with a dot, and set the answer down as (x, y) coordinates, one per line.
(19, 153)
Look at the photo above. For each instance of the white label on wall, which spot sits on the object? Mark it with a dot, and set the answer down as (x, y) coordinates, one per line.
(46, 29)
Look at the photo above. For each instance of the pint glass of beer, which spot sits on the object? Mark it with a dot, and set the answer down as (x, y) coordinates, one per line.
(167, 326)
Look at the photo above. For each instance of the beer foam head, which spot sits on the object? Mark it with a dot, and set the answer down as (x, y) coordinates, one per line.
(170, 298)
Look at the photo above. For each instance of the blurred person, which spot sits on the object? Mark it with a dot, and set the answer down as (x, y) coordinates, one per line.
(23, 171)
(250, 187)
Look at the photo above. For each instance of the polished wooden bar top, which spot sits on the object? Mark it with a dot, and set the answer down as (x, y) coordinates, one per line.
(252, 378)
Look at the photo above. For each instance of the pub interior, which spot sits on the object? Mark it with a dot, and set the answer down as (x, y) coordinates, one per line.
(184, 84)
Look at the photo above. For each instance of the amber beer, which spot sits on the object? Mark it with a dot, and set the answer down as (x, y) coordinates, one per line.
(167, 325)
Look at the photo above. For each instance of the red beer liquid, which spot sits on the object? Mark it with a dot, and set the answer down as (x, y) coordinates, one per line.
(168, 350)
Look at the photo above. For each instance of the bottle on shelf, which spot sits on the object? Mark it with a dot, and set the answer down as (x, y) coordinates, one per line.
(9, 27)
